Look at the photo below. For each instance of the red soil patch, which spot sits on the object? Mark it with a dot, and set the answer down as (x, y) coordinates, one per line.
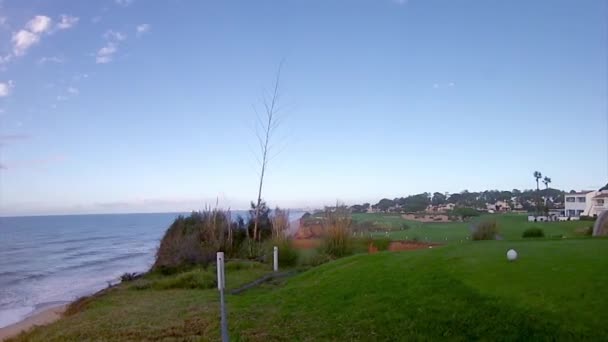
(397, 246)
(306, 243)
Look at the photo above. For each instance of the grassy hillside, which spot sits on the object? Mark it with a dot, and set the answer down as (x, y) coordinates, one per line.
(556, 290)
(511, 227)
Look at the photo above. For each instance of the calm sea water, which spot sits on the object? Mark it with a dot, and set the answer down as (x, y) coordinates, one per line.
(46, 260)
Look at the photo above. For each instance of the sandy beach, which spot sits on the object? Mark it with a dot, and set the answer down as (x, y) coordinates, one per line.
(46, 316)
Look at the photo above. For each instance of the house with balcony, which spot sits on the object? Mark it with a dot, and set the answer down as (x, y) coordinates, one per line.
(576, 203)
(599, 204)
(587, 203)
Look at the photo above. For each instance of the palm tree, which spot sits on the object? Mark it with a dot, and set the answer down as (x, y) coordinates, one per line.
(537, 176)
(546, 180)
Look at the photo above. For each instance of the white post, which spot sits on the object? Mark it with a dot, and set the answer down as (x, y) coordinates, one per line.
(220, 271)
(221, 285)
(276, 258)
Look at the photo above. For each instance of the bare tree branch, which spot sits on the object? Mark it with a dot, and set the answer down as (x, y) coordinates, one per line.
(268, 125)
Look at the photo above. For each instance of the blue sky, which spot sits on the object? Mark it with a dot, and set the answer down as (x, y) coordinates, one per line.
(134, 106)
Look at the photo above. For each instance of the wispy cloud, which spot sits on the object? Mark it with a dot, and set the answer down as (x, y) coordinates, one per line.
(114, 35)
(124, 3)
(6, 88)
(142, 29)
(23, 40)
(31, 34)
(443, 85)
(45, 60)
(67, 21)
(106, 53)
(73, 91)
(39, 24)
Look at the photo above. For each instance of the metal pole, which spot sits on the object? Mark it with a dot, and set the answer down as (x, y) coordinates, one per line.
(221, 285)
(276, 258)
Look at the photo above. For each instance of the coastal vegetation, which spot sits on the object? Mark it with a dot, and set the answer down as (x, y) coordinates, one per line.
(457, 292)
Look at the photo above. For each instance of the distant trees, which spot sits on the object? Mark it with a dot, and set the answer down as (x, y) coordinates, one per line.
(464, 212)
(359, 208)
(522, 199)
(439, 198)
(416, 203)
(385, 204)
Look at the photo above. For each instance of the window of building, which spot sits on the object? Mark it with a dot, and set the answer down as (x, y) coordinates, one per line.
(569, 199)
(580, 199)
(571, 212)
(600, 202)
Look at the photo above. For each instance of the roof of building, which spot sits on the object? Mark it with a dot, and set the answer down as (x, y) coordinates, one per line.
(578, 193)
(603, 195)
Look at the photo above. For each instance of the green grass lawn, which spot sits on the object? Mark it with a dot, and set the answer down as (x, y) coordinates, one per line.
(511, 227)
(556, 290)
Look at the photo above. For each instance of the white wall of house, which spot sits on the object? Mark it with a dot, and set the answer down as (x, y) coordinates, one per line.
(576, 204)
(597, 203)
(590, 203)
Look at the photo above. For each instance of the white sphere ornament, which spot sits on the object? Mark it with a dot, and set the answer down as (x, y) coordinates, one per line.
(511, 255)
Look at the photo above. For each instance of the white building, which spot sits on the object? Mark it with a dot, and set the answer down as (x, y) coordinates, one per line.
(588, 203)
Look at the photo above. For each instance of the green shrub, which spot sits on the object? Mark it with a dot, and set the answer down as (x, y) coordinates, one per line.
(195, 239)
(288, 256)
(126, 277)
(337, 240)
(195, 279)
(586, 231)
(485, 230)
(242, 265)
(533, 233)
(314, 258)
(587, 218)
(381, 243)
(405, 226)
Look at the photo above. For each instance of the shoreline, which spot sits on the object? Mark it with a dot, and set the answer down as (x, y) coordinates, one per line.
(40, 317)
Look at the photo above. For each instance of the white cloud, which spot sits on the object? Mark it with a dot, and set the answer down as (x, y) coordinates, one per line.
(45, 60)
(5, 59)
(73, 91)
(123, 3)
(62, 98)
(444, 85)
(32, 32)
(141, 29)
(106, 53)
(39, 24)
(23, 40)
(6, 87)
(114, 35)
(67, 22)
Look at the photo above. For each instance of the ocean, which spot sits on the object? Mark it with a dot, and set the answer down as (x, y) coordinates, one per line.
(49, 260)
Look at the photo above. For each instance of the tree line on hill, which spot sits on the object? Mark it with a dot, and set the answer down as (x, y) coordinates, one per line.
(523, 200)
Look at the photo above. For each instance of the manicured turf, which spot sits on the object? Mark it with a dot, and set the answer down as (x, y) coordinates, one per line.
(556, 290)
(511, 227)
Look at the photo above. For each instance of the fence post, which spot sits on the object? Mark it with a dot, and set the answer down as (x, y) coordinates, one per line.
(221, 285)
(275, 255)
